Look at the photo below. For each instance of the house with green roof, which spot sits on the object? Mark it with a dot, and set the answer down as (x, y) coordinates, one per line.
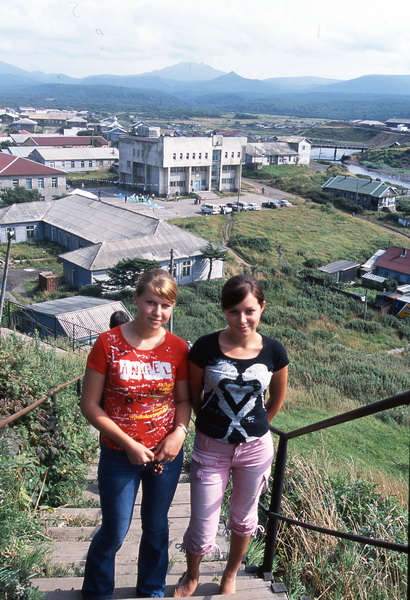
(368, 193)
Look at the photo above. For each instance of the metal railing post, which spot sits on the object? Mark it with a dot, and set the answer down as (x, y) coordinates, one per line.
(275, 503)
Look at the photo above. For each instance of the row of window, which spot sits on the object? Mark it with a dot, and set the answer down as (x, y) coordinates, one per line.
(183, 169)
(181, 155)
(229, 180)
(40, 183)
(177, 184)
(29, 231)
(73, 163)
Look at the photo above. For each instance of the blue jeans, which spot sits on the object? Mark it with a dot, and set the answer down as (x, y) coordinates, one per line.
(118, 482)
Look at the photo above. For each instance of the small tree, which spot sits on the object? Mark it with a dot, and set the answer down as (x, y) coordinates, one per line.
(17, 195)
(126, 272)
(213, 253)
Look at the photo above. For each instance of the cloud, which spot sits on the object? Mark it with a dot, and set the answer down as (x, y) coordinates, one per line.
(260, 40)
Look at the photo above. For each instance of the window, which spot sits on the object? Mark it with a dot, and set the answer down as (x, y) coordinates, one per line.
(174, 156)
(15, 183)
(54, 182)
(200, 155)
(63, 164)
(233, 155)
(82, 164)
(30, 232)
(90, 163)
(128, 164)
(133, 151)
(73, 164)
(40, 183)
(100, 163)
(186, 268)
(239, 155)
(226, 155)
(177, 184)
(52, 163)
(206, 154)
(193, 155)
(177, 169)
(229, 180)
(181, 156)
(187, 155)
(29, 184)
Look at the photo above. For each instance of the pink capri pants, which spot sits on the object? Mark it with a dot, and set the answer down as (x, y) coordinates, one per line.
(212, 462)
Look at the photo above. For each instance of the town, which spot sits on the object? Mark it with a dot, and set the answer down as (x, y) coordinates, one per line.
(88, 202)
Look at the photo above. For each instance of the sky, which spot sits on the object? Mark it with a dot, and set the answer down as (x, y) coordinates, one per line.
(257, 40)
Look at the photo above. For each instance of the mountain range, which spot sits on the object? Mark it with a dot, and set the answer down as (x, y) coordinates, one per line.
(196, 86)
(194, 79)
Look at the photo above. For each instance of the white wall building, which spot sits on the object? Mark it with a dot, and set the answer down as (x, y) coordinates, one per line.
(165, 165)
(76, 159)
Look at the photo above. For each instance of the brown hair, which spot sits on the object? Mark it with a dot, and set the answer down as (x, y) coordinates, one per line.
(237, 288)
(158, 282)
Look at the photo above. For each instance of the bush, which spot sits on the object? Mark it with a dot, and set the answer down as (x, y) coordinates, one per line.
(91, 289)
(364, 326)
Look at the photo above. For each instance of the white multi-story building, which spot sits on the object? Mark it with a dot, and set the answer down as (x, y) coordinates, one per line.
(168, 166)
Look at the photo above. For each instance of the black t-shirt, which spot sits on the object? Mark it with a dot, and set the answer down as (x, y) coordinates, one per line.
(233, 409)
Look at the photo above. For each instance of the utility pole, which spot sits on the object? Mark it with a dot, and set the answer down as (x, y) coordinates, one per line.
(10, 236)
(171, 271)
(365, 306)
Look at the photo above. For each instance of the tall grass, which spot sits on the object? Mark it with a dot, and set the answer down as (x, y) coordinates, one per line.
(327, 567)
(43, 455)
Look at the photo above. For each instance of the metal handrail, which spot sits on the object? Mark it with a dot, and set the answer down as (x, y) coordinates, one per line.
(51, 394)
(273, 512)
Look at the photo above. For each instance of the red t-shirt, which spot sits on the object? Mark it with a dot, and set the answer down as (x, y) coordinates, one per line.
(138, 391)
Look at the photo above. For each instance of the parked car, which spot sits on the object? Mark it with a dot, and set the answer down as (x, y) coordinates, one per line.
(225, 209)
(233, 205)
(243, 205)
(270, 204)
(254, 206)
(210, 209)
(285, 203)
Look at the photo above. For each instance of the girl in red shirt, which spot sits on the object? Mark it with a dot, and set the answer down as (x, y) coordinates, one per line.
(141, 370)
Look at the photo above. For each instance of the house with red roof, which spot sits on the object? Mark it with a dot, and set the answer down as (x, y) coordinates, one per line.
(20, 172)
(66, 141)
(395, 262)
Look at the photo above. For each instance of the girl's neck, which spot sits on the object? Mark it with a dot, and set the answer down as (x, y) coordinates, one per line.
(238, 347)
(141, 337)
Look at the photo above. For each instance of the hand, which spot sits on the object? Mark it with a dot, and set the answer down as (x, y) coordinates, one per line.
(138, 454)
(170, 446)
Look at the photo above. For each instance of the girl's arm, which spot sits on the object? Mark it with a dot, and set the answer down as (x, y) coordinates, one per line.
(277, 392)
(93, 387)
(170, 446)
(196, 386)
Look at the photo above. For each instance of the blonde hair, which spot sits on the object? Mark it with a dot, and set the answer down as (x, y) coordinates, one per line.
(158, 282)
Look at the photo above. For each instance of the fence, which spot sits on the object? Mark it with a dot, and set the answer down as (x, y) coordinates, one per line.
(273, 513)
(27, 322)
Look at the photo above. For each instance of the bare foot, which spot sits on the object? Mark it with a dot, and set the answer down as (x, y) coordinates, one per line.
(228, 584)
(186, 586)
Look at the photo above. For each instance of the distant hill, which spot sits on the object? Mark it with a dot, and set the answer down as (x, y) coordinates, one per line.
(187, 71)
(300, 84)
(371, 84)
(197, 85)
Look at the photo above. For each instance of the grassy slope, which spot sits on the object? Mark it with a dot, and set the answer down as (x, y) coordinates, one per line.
(305, 231)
